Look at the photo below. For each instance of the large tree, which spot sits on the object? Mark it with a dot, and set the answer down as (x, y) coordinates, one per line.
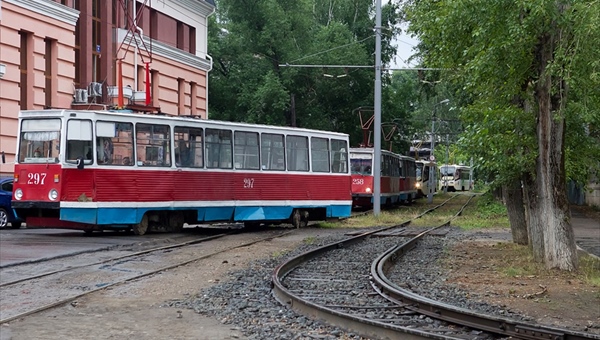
(523, 56)
(250, 40)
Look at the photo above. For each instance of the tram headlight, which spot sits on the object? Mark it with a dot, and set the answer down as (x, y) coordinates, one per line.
(18, 194)
(418, 185)
(368, 190)
(53, 195)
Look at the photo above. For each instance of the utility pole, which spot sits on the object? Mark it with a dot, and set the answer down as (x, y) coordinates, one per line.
(447, 162)
(432, 171)
(433, 174)
(377, 114)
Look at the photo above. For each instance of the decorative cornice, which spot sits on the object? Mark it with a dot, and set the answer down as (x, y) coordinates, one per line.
(202, 7)
(50, 9)
(167, 51)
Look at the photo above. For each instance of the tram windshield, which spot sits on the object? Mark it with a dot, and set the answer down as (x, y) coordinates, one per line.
(448, 170)
(39, 141)
(419, 171)
(361, 165)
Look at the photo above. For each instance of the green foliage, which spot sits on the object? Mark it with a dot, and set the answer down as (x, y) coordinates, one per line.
(249, 42)
(488, 48)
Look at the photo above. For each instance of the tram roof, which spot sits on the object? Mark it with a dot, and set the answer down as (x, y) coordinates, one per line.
(135, 116)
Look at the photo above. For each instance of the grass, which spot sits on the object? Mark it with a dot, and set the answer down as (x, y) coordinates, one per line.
(482, 212)
(518, 262)
(589, 266)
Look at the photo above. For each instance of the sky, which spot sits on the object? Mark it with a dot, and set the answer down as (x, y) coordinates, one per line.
(404, 44)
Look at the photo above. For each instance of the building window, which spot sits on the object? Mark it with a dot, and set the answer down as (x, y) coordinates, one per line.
(50, 57)
(192, 38)
(96, 36)
(180, 96)
(25, 51)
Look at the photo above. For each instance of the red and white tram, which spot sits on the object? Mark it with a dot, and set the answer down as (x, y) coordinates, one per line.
(398, 177)
(93, 170)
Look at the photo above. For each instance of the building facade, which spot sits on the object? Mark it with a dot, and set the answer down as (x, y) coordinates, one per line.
(88, 54)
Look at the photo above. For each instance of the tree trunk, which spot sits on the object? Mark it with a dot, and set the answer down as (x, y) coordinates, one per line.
(550, 204)
(513, 195)
(534, 225)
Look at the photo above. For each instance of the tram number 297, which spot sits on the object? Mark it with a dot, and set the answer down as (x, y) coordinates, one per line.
(36, 178)
(248, 183)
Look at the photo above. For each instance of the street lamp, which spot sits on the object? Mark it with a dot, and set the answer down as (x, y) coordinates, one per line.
(432, 174)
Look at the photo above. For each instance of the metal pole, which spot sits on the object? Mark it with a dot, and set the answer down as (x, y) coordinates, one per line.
(377, 114)
(447, 162)
(135, 55)
(433, 170)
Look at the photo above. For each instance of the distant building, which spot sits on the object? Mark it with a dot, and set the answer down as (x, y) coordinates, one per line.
(66, 54)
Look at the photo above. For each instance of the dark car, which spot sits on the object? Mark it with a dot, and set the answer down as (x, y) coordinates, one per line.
(7, 214)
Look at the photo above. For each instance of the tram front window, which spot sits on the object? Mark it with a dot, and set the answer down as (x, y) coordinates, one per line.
(39, 141)
(360, 166)
(447, 170)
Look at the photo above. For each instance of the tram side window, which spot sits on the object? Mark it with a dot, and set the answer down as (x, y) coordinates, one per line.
(402, 164)
(79, 141)
(39, 141)
(297, 153)
(218, 149)
(272, 152)
(188, 147)
(385, 165)
(426, 170)
(411, 169)
(153, 145)
(114, 143)
(319, 148)
(246, 150)
(339, 156)
(464, 174)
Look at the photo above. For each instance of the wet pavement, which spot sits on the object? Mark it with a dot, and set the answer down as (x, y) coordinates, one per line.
(586, 226)
(18, 246)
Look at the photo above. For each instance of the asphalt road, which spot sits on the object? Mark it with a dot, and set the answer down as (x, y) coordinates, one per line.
(24, 245)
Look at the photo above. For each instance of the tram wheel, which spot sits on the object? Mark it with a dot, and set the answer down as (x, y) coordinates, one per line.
(299, 218)
(142, 227)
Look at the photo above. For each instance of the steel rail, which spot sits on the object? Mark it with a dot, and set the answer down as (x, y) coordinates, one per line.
(165, 268)
(489, 323)
(172, 246)
(365, 327)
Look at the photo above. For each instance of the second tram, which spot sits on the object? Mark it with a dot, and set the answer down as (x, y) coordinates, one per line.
(398, 177)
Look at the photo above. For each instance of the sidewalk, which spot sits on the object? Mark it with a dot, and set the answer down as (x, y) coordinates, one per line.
(586, 226)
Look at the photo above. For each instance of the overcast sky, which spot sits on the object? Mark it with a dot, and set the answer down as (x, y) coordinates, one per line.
(404, 44)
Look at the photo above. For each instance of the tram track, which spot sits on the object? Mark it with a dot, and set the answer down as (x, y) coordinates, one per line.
(345, 284)
(112, 259)
(30, 295)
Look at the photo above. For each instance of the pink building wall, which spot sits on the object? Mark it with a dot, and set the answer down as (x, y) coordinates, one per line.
(178, 78)
(15, 19)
